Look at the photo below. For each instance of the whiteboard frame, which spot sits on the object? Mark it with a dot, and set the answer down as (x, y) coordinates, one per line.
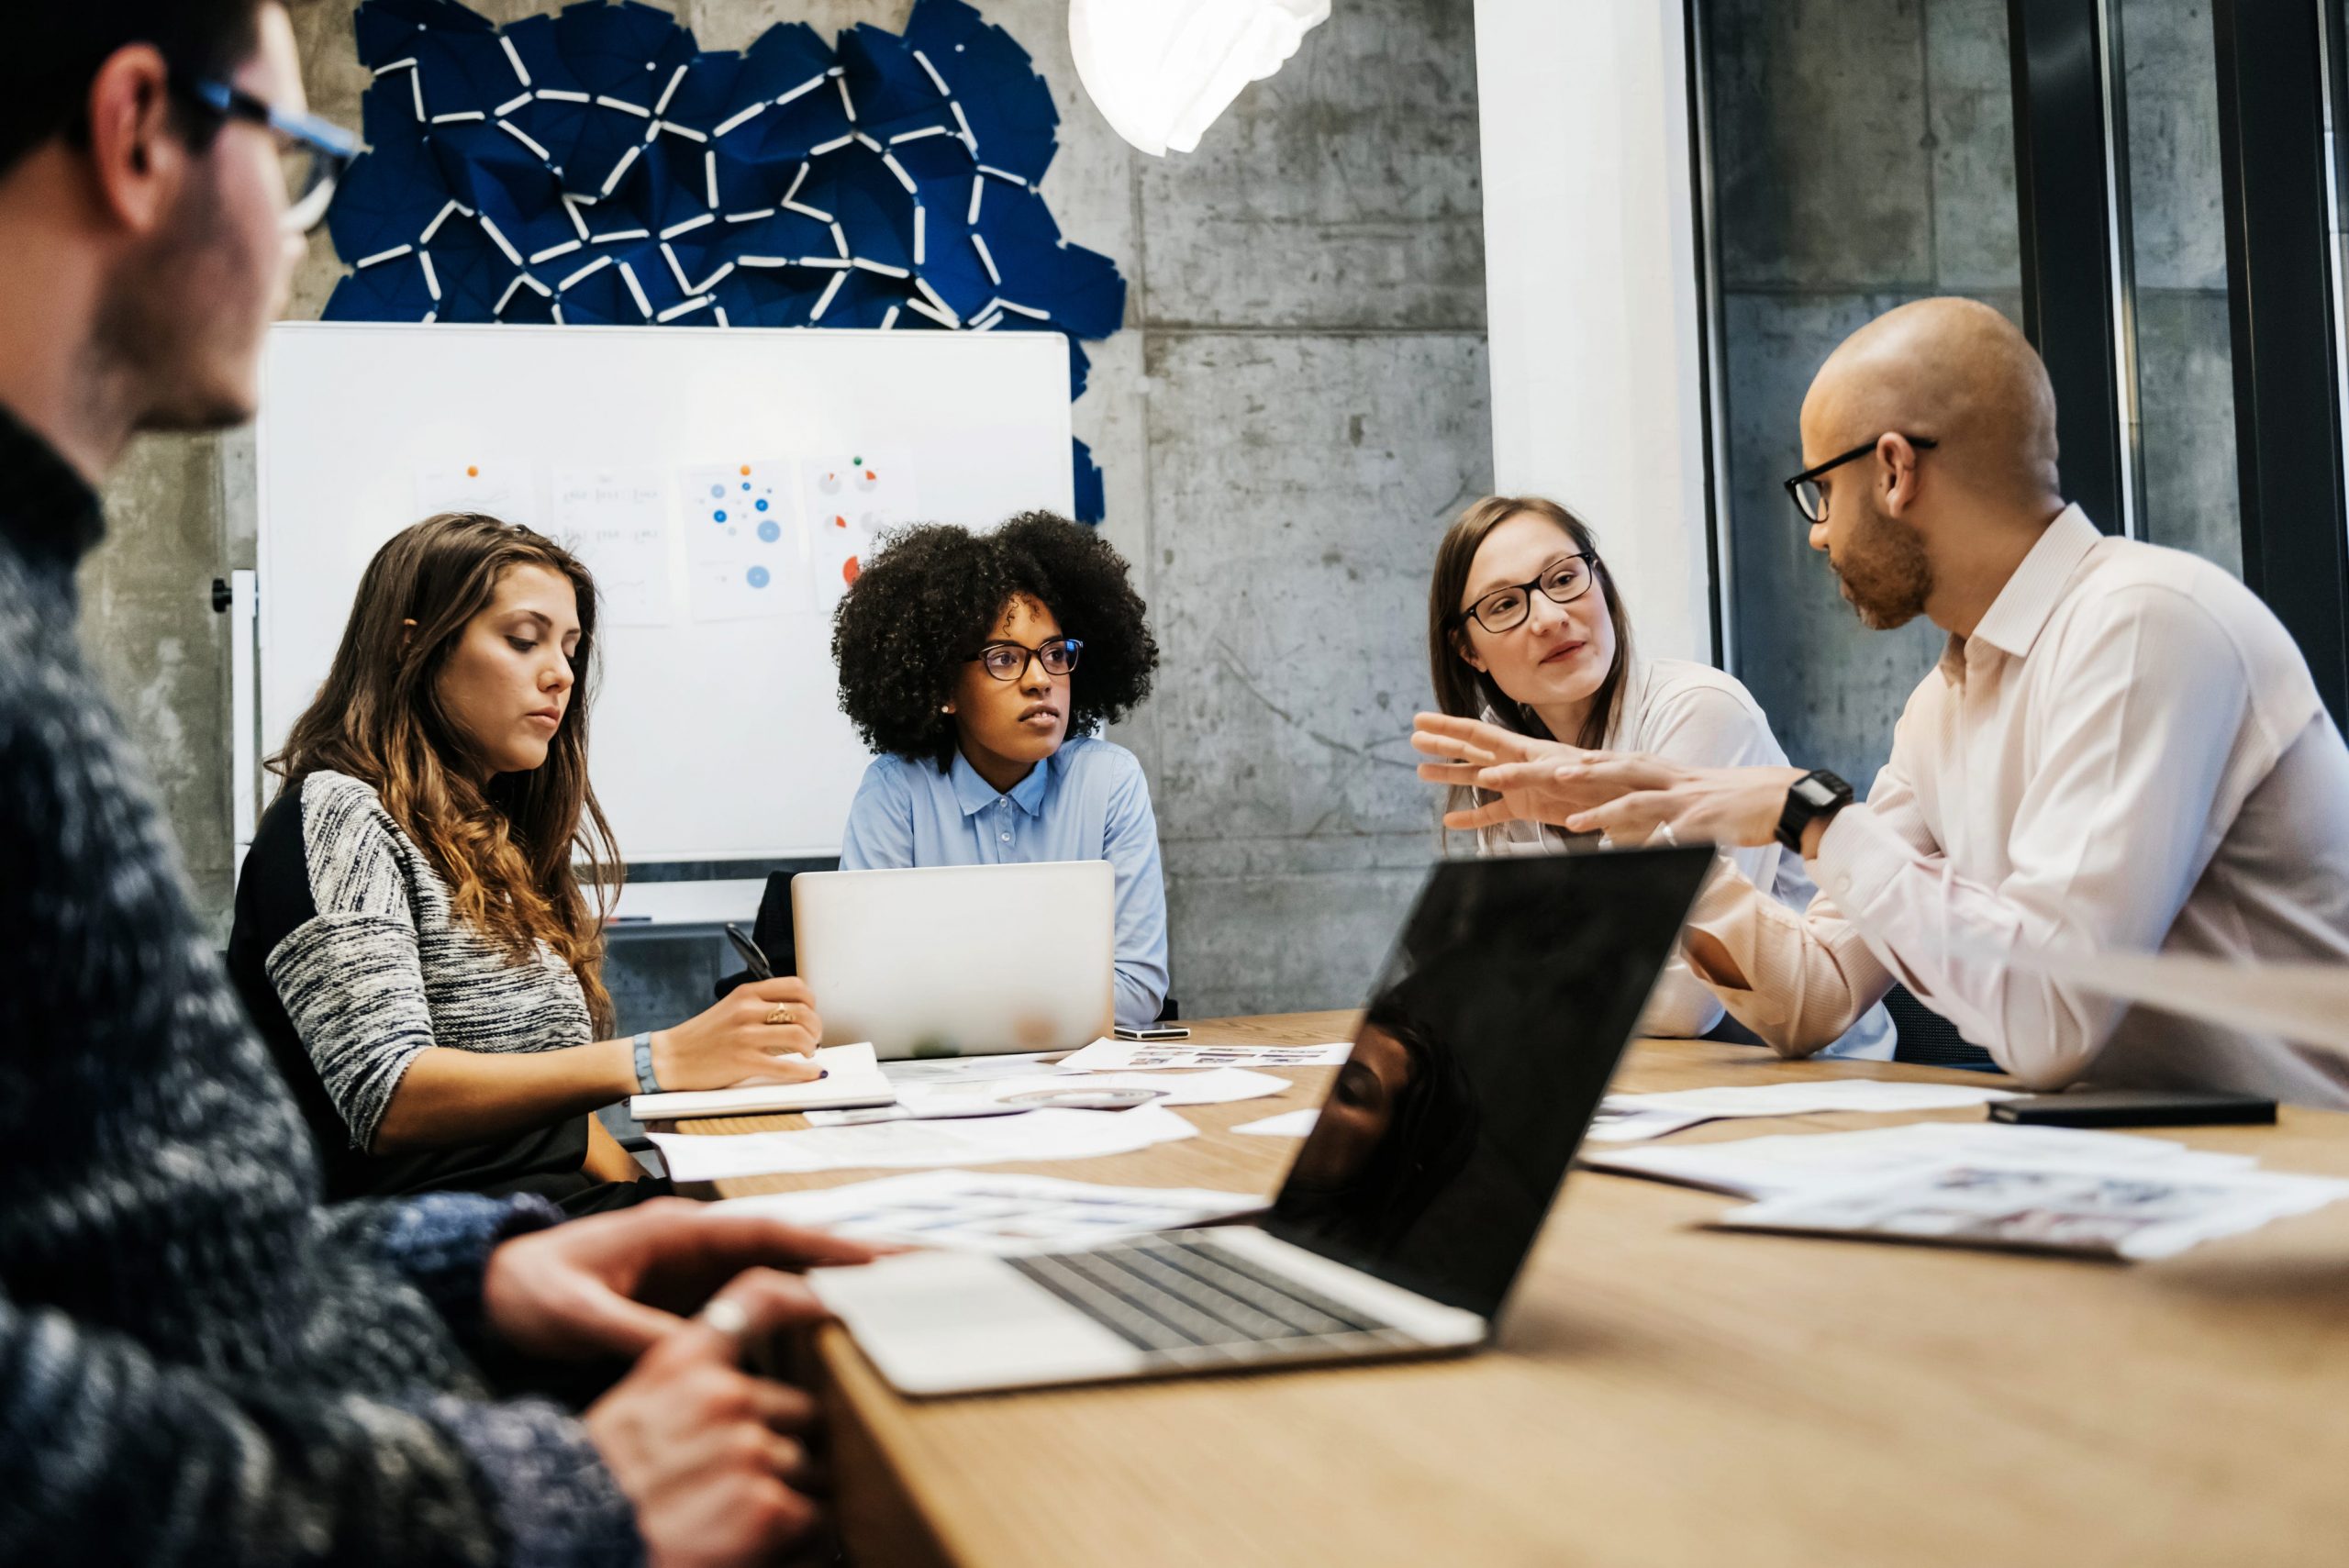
(1031, 431)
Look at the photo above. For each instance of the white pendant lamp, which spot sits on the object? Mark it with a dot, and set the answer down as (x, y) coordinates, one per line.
(1161, 70)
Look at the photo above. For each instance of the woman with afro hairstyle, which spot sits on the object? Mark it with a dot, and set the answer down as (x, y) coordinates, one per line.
(980, 666)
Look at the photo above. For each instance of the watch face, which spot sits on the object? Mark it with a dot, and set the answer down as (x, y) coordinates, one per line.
(1814, 792)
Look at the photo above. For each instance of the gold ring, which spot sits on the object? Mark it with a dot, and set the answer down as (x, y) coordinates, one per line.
(782, 1013)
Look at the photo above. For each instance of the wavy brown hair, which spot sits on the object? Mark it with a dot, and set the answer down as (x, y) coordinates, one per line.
(511, 851)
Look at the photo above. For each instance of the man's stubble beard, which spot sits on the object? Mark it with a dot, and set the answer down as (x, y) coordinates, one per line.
(160, 333)
(1886, 575)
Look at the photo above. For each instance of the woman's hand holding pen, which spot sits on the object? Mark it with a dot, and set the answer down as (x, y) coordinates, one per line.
(764, 1032)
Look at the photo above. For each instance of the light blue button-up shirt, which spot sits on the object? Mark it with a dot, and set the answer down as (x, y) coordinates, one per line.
(1088, 801)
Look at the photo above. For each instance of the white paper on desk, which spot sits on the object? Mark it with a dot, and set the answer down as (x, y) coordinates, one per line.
(2129, 1209)
(1631, 1124)
(970, 1069)
(1288, 1124)
(970, 1212)
(1223, 1085)
(1050, 1134)
(1787, 1163)
(1140, 1056)
(851, 1078)
(1219, 1086)
(1801, 1098)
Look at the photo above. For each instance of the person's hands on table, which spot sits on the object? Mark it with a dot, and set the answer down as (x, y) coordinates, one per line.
(713, 1460)
(1629, 798)
(613, 1284)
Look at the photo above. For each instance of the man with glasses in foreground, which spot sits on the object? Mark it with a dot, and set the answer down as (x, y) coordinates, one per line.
(198, 1362)
(2121, 750)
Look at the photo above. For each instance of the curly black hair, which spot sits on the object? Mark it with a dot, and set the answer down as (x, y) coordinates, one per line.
(932, 595)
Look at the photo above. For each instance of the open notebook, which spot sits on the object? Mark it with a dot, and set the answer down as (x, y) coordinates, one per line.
(852, 1077)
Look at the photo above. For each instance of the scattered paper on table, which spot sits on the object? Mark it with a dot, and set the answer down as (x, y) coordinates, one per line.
(1616, 1123)
(1136, 1056)
(966, 1211)
(970, 1069)
(1786, 1164)
(2132, 1209)
(1048, 1134)
(953, 1097)
(1288, 1124)
(617, 520)
(503, 488)
(744, 548)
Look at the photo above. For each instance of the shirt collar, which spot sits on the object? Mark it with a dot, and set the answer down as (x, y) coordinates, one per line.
(2021, 611)
(50, 510)
(975, 794)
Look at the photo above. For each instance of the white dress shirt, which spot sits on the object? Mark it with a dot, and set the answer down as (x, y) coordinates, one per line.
(2126, 755)
(1696, 715)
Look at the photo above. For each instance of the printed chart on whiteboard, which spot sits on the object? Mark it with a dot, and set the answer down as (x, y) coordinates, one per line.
(744, 545)
(616, 521)
(852, 498)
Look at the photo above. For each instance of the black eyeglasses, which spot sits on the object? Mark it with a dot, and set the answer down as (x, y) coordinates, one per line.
(1505, 609)
(1009, 661)
(316, 153)
(1811, 501)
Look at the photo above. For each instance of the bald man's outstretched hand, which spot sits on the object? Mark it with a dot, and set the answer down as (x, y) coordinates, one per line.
(1628, 797)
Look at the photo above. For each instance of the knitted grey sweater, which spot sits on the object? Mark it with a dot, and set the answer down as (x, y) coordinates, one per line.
(198, 1363)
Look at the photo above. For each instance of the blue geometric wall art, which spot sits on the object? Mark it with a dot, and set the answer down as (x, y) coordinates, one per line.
(597, 167)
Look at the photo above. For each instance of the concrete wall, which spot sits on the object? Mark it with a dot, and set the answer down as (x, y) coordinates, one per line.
(1865, 156)
(1295, 409)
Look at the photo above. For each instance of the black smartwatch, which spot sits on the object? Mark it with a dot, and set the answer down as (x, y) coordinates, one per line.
(1814, 798)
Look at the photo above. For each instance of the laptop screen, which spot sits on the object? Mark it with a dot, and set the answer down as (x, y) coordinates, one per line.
(1479, 1062)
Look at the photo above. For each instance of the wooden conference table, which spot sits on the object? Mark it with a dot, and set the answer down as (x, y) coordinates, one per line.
(1666, 1395)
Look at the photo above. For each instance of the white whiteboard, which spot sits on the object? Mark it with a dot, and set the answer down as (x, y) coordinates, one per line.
(712, 738)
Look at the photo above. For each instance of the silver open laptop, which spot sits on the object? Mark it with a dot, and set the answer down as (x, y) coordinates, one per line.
(1412, 1204)
(960, 960)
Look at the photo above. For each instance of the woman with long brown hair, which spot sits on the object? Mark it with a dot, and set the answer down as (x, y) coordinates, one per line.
(413, 935)
(1526, 630)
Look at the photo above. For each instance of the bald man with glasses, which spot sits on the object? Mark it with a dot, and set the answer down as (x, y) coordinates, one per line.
(2121, 750)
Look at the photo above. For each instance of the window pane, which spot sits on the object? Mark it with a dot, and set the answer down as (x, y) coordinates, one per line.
(2186, 399)
(1864, 156)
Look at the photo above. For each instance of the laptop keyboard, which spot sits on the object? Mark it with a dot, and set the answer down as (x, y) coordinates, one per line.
(1190, 1302)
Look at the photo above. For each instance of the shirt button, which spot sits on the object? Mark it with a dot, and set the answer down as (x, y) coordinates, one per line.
(1007, 838)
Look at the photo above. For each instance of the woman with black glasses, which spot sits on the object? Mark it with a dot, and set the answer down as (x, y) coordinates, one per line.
(980, 665)
(1526, 630)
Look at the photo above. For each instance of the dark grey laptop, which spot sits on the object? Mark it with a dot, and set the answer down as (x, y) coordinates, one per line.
(1480, 1060)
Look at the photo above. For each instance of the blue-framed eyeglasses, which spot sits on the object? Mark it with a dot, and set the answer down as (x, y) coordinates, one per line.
(316, 153)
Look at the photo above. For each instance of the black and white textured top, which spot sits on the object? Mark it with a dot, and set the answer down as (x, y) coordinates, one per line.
(353, 960)
(199, 1363)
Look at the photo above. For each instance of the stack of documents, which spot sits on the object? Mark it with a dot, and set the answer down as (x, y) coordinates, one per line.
(1630, 1119)
(966, 1211)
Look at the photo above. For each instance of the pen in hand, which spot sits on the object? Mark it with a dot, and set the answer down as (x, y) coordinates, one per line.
(760, 968)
